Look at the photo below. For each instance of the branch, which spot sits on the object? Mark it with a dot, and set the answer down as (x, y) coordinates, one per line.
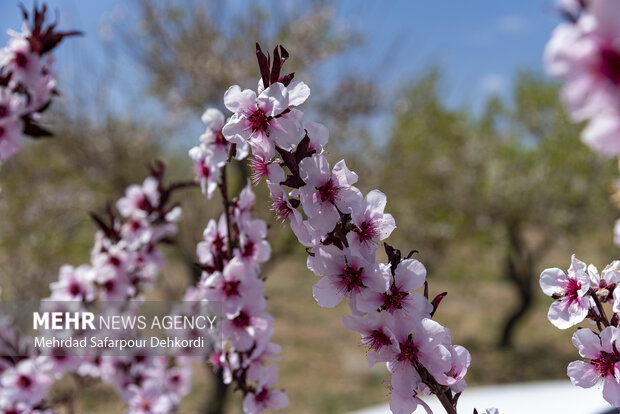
(222, 185)
(599, 306)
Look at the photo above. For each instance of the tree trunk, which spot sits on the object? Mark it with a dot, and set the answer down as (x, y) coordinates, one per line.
(520, 271)
(216, 398)
(217, 395)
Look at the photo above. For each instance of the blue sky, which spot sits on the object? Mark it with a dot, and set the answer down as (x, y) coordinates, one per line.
(479, 44)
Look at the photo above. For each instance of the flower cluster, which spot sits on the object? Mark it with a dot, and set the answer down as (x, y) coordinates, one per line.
(212, 153)
(125, 260)
(230, 256)
(149, 384)
(27, 83)
(342, 229)
(585, 53)
(581, 293)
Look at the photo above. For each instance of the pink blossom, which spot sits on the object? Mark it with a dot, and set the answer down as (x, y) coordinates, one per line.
(325, 193)
(149, 400)
(139, 200)
(213, 138)
(602, 132)
(136, 231)
(569, 291)
(455, 377)
(371, 225)
(178, 380)
(108, 258)
(298, 92)
(74, 284)
(245, 203)
(253, 246)
(601, 362)
(214, 244)
(11, 138)
(59, 362)
(238, 280)
(318, 135)
(422, 347)
(206, 166)
(344, 275)
(404, 404)
(42, 87)
(264, 351)
(258, 168)
(113, 286)
(262, 121)
(25, 382)
(409, 275)
(264, 397)
(586, 56)
(284, 210)
(24, 65)
(604, 285)
(248, 323)
(377, 335)
(11, 104)
(397, 328)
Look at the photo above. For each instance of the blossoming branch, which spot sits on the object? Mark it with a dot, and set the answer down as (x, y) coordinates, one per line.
(27, 83)
(342, 229)
(583, 293)
(584, 52)
(125, 261)
(230, 256)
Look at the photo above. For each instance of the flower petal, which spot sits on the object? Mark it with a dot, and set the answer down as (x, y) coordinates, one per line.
(298, 92)
(552, 281)
(587, 343)
(326, 294)
(237, 100)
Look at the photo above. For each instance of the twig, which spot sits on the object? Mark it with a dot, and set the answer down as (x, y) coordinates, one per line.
(224, 192)
(599, 306)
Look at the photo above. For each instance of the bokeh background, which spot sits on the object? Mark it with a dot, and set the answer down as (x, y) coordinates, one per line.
(444, 106)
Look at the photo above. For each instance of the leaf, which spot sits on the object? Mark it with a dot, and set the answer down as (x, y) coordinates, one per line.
(263, 64)
(286, 79)
(33, 130)
(279, 57)
(302, 149)
(275, 68)
(436, 301)
(394, 256)
(293, 182)
(107, 230)
(289, 160)
(51, 41)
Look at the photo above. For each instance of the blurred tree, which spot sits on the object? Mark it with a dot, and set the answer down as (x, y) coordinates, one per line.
(513, 182)
(193, 51)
